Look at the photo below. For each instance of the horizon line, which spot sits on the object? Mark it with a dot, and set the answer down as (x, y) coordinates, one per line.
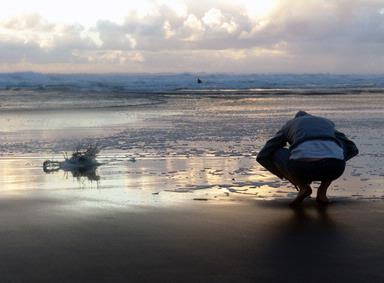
(192, 73)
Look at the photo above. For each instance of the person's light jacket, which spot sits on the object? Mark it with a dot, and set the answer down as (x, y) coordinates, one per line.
(302, 128)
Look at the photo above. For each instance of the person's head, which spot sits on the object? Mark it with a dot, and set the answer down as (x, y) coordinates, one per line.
(300, 114)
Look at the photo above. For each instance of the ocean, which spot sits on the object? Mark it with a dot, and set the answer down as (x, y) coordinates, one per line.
(188, 140)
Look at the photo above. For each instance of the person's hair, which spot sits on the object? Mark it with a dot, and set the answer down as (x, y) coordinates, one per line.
(301, 113)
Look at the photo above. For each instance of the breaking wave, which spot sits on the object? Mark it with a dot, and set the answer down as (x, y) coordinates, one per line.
(130, 83)
(37, 91)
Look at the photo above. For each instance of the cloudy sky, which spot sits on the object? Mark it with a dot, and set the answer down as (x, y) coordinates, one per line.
(241, 36)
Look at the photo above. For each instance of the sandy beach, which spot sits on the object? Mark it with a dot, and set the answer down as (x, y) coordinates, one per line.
(53, 239)
(179, 196)
(139, 141)
(193, 145)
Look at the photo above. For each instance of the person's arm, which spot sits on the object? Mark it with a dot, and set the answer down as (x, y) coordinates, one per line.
(265, 156)
(349, 147)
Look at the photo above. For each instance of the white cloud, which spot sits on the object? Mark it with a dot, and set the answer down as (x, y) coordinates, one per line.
(213, 18)
(110, 56)
(249, 35)
(180, 8)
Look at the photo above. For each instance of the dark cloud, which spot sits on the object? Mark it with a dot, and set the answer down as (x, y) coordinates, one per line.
(298, 36)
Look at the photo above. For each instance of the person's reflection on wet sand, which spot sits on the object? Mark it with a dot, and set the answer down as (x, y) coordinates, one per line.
(302, 245)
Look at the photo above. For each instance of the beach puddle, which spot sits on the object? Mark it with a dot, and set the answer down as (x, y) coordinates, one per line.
(162, 181)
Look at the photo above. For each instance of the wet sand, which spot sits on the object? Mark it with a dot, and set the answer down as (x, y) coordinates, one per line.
(187, 144)
(195, 206)
(47, 239)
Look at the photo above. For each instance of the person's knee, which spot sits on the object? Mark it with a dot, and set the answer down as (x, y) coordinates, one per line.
(281, 158)
(281, 155)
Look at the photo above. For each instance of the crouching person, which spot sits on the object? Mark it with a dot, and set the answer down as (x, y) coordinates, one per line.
(317, 152)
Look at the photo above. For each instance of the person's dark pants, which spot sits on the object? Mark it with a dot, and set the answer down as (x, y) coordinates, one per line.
(296, 171)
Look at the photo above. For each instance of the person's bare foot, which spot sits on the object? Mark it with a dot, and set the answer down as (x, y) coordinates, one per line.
(321, 197)
(305, 191)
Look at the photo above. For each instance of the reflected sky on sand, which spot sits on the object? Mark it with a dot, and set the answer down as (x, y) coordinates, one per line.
(190, 147)
(153, 181)
(314, 241)
(147, 180)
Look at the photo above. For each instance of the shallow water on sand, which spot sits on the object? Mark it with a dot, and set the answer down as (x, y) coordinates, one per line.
(189, 147)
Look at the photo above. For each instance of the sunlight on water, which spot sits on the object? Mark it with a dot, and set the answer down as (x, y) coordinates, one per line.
(188, 148)
(151, 181)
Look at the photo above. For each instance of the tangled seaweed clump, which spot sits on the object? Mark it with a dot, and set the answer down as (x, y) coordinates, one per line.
(83, 158)
(81, 162)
